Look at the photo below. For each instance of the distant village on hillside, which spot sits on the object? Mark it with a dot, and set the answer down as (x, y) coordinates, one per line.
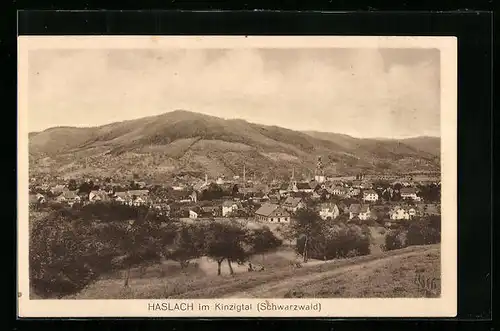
(361, 197)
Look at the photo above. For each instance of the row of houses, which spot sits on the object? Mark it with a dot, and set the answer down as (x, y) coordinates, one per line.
(131, 197)
(343, 190)
(274, 213)
(228, 208)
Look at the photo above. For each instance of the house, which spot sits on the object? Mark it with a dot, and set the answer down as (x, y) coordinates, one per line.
(285, 188)
(304, 187)
(122, 197)
(316, 195)
(179, 187)
(274, 199)
(58, 189)
(339, 191)
(200, 186)
(210, 211)
(138, 197)
(36, 199)
(193, 215)
(370, 195)
(100, 195)
(40, 198)
(329, 209)
(228, 207)
(354, 192)
(162, 209)
(131, 197)
(292, 204)
(361, 211)
(138, 201)
(69, 197)
(399, 213)
(272, 213)
(366, 186)
(356, 183)
(139, 193)
(247, 191)
(409, 193)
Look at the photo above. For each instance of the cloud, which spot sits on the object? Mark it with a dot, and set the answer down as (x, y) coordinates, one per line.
(360, 95)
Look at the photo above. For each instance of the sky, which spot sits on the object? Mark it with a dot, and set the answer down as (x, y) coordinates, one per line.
(365, 93)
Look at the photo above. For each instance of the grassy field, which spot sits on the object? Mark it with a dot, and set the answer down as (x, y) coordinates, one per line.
(382, 274)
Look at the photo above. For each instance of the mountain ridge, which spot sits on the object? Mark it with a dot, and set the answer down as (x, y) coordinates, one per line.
(162, 146)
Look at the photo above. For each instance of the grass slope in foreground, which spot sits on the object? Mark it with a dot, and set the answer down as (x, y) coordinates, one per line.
(387, 274)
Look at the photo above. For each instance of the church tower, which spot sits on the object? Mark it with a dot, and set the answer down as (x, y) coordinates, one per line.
(319, 175)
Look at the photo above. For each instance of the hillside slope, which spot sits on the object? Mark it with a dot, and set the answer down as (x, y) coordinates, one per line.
(181, 141)
(388, 274)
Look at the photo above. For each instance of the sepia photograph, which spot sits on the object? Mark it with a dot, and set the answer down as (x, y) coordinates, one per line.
(237, 176)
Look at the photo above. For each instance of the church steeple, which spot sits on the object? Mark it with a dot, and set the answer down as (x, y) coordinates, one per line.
(319, 166)
(319, 174)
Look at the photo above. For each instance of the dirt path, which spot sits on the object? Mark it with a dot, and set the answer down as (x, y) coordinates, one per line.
(277, 289)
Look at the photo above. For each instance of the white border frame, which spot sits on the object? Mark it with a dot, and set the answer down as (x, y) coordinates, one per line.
(445, 306)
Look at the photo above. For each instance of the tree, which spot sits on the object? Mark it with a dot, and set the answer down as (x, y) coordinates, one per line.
(213, 192)
(395, 239)
(262, 241)
(424, 231)
(72, 185)
(224, 241)
(140, 240)
(56, 264)
(235, 190)
(86, 187)
(186, 245)
(307, 225)
(340, 241)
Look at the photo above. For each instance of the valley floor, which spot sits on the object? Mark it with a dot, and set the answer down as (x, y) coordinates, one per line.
(381, 274)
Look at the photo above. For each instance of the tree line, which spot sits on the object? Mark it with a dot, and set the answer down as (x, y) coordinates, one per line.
(326, 239)
(419, 231)
(71, 248)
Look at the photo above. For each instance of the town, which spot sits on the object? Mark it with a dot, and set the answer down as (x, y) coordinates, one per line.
(386, 199)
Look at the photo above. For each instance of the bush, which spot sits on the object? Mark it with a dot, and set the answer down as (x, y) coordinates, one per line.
(59, 264)
(340, 241)
(71, 248)
(395, 239)
(424, 232)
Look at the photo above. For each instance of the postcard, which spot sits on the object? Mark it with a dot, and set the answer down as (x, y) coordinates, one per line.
(237, 176)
